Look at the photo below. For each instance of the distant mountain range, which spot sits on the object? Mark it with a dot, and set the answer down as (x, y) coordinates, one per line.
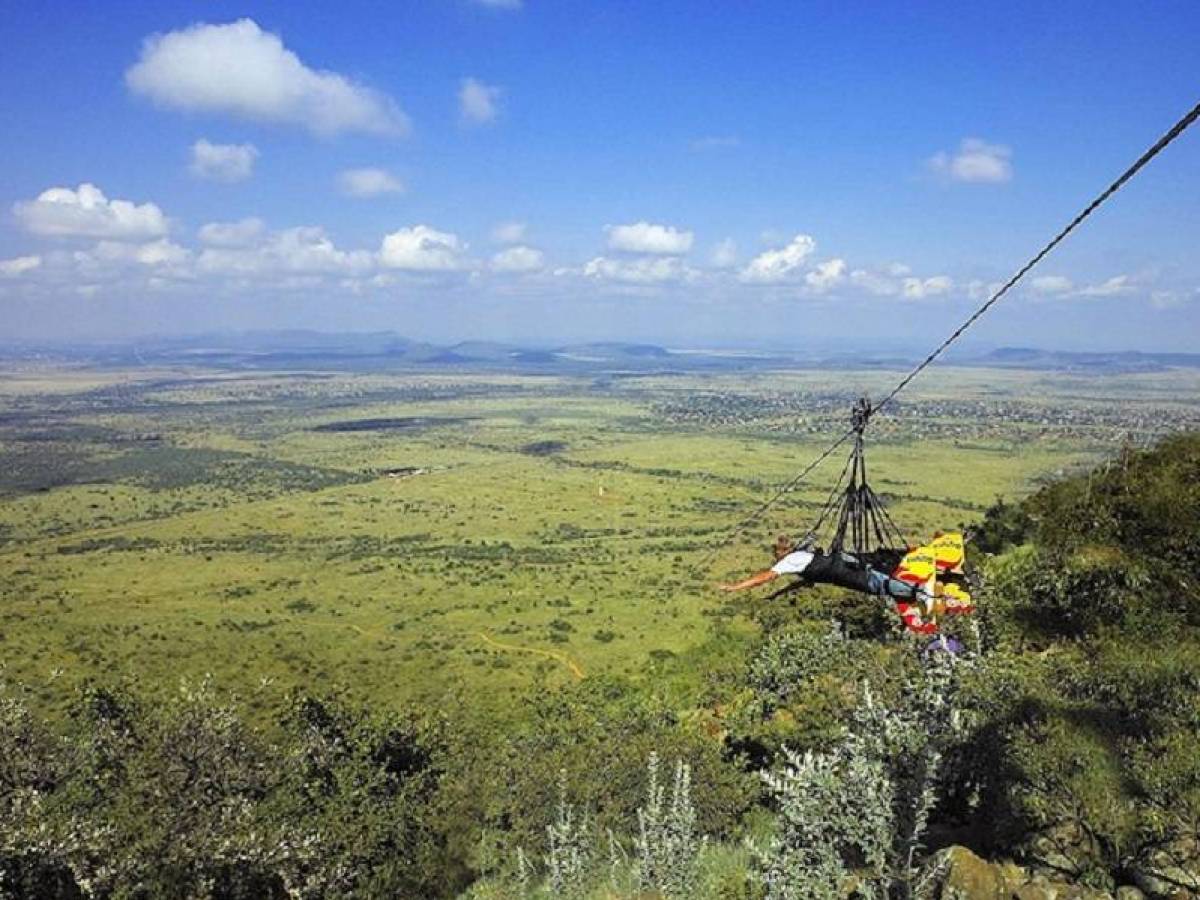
(375, 351)
(1124, 361)
(386, 350)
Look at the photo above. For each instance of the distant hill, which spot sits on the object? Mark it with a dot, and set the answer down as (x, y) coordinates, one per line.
(386, 351)
(1126, 361)
(375, 351)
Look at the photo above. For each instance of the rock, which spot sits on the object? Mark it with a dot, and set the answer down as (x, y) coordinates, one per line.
(970, 878)
(1042, 890)
(1078, 892)
(1152, 885)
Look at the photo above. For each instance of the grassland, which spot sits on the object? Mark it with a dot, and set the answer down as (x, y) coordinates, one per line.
(450, 538)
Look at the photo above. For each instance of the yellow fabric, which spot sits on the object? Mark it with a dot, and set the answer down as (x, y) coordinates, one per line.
(948, 551)
(955, 599)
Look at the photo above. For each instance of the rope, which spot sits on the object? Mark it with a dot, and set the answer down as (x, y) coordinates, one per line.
(1161, 144)
(763, 507)
(832, 502)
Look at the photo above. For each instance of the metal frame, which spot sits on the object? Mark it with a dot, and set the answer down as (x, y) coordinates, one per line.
(863, 524)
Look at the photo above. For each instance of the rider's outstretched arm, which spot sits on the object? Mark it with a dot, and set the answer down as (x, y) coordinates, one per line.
(753, 581)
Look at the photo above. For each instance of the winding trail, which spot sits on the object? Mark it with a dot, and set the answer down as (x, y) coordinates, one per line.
(557, 655)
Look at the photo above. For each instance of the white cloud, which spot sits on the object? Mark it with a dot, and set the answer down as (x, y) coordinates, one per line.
(222, 162)
(369, 182)
(724, 254)
(872, 283)
(894, 280)
(826, 275)
(975, 162)
(921, 288)
(782, 263)
(1119, 284)
(240, 70)
(646, 270)
(307, 249)
(643, 237)
(422, 249)
(11, 268)
(509, 233)
(86, 212)
(154, 253)
(1062, 287)
(478, 103)
(982, 290)
(1158, 299)
(232, 234)
(518, 259)
(1052, 284)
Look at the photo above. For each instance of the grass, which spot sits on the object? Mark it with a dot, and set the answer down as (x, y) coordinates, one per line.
(205, 522)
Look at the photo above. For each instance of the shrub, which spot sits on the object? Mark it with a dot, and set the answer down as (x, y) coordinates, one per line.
(668, 846)
(857, 814)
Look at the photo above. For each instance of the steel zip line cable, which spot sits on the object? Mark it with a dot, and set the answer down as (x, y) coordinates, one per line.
(1161, 144)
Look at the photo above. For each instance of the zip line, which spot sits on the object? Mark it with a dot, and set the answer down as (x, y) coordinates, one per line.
(1161, 144)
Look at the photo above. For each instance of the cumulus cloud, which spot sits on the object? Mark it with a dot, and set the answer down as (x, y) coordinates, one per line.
(86, 212)
(518, 259)
(1052, 284)
(975, 162)
(921, 288)
(895, 280)
(647, 270)
(240, 70)
(154, 253)
(509, 233)
(307, 249)
(222, 162)
(478, 103)
(11, 268)
(1061, 287)
(232, 234)
(1119, 284)
(780, 264)
(874, 283)
(368, 182)
(724, 254)
(643, 237)
(422, 249)
(826, 275)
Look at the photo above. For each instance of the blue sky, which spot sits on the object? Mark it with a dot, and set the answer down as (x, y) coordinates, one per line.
(696, 174)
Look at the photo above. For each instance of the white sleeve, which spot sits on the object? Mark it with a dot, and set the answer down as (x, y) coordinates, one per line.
(793, 564)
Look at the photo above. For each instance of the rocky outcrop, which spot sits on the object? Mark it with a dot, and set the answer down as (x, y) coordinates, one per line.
(964, 876)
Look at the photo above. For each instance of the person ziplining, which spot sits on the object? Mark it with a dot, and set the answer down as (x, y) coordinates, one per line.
(925, 584)
(868, 552)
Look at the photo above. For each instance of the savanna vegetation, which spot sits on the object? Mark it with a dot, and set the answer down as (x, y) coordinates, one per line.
(251, 655)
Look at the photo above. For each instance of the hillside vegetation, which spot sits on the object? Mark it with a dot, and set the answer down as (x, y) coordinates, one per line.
(826, 759)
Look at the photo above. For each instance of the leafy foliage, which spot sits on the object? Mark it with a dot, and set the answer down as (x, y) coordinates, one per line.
(856, 816)
(1080, 759)
(184, 799)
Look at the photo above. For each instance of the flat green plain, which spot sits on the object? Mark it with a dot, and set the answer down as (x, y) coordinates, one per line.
(450, 538)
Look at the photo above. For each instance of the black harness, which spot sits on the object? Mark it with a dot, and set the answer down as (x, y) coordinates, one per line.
(840, 569)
